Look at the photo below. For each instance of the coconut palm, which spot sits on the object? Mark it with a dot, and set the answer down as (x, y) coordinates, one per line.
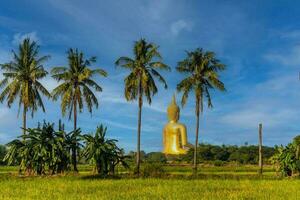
(76, 87)
(201, 69)
(140, 82)
(22, 79)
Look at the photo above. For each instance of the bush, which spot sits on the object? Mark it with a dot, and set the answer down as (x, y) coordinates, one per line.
(2, 154)
(156, 157)
(153, 170)
(219, 163)
(287, 159)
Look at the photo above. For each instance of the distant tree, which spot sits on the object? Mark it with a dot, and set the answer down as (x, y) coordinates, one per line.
(229, 153)
(202, 70)
(76, 87)
(22, 79)
(140, 82)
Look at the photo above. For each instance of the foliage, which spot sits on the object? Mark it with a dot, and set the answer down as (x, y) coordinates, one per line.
(286, 159)
(156, 157)
(208, 153)
(22, 79)
(202, 69)
(143, 69)
(3, 151)
(77, 83)
(40, 150)
(229, 153)
(219, 163)
(154, 170)
(102, 152)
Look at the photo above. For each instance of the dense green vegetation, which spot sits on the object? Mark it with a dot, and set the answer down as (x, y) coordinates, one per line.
(213, 154)
(286, 159)
(43, 150)
(103, 153)
(3, 151)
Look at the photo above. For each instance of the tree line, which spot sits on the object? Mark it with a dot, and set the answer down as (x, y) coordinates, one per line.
(213, 154)
(23, 75)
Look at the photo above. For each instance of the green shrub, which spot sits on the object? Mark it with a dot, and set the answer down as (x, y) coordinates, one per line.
(219, 163)
(286, 159)
(153, 170)
(156, 157)
(3, 151)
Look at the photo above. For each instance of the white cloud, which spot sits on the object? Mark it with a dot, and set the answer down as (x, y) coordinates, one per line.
(281, 85)
(19, 37)
(145, 127)
(179, 26)
(294, 34)
(250, 117)
(271, 102)
(156, 9)
(287, 58)
(4, 56)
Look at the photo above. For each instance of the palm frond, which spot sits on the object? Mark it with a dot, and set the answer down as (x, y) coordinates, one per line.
(201, 69)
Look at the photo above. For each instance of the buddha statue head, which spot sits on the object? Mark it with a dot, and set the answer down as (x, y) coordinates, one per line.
(173, 111)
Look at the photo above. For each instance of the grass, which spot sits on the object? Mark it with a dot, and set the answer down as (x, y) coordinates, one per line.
(226, 182)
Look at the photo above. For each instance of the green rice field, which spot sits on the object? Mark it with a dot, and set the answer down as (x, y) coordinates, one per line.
(226, 182)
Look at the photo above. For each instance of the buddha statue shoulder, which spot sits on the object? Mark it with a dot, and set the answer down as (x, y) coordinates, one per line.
(174, 132)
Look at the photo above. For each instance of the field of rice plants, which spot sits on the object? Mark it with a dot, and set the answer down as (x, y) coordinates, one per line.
(226, 182)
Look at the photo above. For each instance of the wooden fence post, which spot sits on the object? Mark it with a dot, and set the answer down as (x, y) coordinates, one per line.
(260, 157)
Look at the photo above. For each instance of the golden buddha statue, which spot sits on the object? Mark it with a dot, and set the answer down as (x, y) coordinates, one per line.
(174, 133)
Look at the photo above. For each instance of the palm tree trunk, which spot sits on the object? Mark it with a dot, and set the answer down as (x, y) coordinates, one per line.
(138, 156)
(74, 156)
(24, 119)
(197, 133)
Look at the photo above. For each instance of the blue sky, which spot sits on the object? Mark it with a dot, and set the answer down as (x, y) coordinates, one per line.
(259, 41)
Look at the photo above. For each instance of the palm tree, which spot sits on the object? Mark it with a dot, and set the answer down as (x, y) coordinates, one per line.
(201, 68)
(22, 79)
(140, 82)
(76, 87)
